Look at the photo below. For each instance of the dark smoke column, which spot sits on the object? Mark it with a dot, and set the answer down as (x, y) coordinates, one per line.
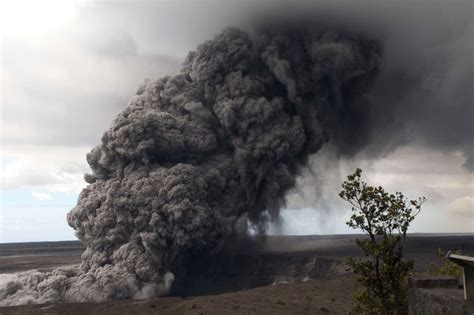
(196, 153)
(193, 153)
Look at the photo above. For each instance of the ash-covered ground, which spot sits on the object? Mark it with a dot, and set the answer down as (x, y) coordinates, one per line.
(278, 274)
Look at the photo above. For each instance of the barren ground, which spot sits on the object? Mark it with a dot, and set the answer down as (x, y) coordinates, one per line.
(282, 258)
(324, 296)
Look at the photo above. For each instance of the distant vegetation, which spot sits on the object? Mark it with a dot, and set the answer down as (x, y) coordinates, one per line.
(448, 268)
(385, 218)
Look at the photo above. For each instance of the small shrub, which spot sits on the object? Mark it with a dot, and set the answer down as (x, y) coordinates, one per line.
(448, 268)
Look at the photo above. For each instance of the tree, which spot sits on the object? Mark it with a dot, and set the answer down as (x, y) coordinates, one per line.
(385, 218)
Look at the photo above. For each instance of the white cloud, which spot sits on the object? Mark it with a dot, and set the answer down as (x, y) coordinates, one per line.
(464, 207)
(45, 168)
(42, 196)
(64, 86)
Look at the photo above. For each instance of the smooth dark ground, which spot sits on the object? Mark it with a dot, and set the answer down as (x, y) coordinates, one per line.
(240, 281)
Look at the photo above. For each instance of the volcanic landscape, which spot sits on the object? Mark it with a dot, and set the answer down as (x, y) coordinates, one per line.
(193, 171)
(275, 274)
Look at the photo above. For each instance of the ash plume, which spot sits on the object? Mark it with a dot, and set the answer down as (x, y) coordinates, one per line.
(195, 154)
(423, 95)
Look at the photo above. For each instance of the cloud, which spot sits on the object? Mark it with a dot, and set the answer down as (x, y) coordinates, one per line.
(42, 196)
(423, 95)
(49, 168)
(52, 81)
(421, 171)
(464, 207)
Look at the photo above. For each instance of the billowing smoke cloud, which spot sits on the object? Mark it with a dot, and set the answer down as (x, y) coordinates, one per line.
(194, 155)
(422, 97)
(423, 94)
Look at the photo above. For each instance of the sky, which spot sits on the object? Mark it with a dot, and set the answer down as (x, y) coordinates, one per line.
(68, 67)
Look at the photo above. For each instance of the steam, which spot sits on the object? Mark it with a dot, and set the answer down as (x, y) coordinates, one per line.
(194, 155)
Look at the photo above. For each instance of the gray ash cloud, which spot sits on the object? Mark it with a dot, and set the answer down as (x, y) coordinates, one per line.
(194, 157)
(423, 94)
(195, 154)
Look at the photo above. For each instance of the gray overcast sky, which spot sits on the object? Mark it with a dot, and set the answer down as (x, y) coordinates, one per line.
(67, 67)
